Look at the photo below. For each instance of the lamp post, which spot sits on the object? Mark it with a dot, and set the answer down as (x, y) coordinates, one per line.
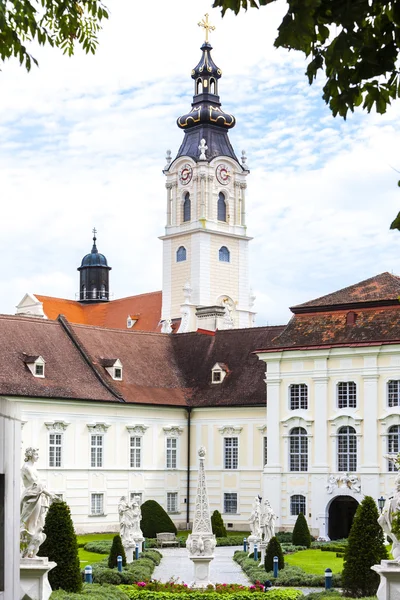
(381, 503)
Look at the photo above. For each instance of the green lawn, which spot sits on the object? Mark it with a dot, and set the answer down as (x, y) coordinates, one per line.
(315, 561)
(88, 558)
(94, 537)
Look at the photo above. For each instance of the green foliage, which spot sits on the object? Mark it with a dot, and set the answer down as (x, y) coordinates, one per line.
(356, 44)
(314, 561)
(273, 549)
(153, 555)
(61, 546)
(326, 595)
(92, 592)
(136, 594)
(101, 546)
(284, 537)
(301, 533)
(117, 549)
(58, 23)
(217, 524)
(365, 548)
(155, 520)
(138, 570)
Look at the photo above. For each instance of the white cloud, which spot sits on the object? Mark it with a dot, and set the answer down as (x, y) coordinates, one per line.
(84, 141)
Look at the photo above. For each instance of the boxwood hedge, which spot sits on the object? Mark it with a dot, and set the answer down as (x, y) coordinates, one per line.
(91, 592)
(209, 594)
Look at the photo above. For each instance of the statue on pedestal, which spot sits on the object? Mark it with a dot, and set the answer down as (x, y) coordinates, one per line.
(389, 520)
(268, 518)
(35, 501)
(130, 516)
(255, 518)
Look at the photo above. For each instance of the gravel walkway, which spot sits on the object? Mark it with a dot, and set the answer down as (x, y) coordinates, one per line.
(177, 565)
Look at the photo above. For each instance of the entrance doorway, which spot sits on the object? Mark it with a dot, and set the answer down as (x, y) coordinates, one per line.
(341, 514)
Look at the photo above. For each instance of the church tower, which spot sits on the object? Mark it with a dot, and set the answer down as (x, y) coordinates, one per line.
(205, 246)
(94, 276)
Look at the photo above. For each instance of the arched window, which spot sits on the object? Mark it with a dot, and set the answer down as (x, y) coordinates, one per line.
(221, 207)
(103, 291)
(212, 85)
(224, 254)
(346, 394)
(199, 86)
(83, 292)
(94, 292)
(186, 207)
(298, 449)
(298, 396)
(393, 391)
(181, 254)
(347, 449)
(297, 504)
(393, 444)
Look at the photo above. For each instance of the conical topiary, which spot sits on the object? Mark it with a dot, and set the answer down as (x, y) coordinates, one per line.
(365, 548)
(273, 549)
(61, 546)
(117, 549)
(217, 524)
(301, 534)
(155, 520)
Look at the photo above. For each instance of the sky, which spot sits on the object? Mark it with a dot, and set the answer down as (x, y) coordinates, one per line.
(83, 143)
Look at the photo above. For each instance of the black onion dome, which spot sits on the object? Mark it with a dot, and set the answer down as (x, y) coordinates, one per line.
(94, 259)
(206, 120)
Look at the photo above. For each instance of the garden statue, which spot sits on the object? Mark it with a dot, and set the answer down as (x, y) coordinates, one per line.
(35, 500)
(267, 522)
(130, 516)
(389, 519)
(255, 518)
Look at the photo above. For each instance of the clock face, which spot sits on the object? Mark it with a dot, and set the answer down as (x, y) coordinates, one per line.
(185, 174)
(223, 174)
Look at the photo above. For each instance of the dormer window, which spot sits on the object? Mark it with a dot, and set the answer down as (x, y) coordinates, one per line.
(113, 366)
(35, 364)
(218, 373)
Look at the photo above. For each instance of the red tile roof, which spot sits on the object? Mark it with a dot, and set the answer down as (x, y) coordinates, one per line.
(146, 308)
(383, 289)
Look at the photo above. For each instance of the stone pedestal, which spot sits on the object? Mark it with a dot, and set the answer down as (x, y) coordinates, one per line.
(140, 541)
(251, 540)
(201, 571)
(389, 587)
(34, 584)
(129, 553)
(262, 548)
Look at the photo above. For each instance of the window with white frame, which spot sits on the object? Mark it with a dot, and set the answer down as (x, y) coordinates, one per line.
(136, 451)
(230, 502)
(298, 396)
(298, 449)
(96, 450)
(346, 394)
(393, 392)
(55, 449)
(172, 502)
(393, 445)
(231, 453)
(347, 449)
(265, 450)
(136, 495)
(172, 444)
(297, 504)
(97, 504)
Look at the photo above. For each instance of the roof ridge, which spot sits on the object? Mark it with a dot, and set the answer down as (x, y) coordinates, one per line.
(111, 329)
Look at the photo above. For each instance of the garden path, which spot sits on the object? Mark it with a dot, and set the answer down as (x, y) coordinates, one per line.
(176, 564)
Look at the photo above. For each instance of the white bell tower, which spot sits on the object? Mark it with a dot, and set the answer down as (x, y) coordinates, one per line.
(205, 246)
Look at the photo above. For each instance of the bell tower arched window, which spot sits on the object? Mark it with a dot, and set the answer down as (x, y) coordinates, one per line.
(221, 207)
(199, 86)
(181, 254)
(224, 254)
(186, 208)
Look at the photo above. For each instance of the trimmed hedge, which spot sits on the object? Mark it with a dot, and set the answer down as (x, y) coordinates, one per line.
(117, 549)
(135, 594)
(284, 537)
(301, 534)
(289, 576)
(273, 549)
(91, 592)
(100, 547)
(155, 520)
(217, 524)
(138, 570)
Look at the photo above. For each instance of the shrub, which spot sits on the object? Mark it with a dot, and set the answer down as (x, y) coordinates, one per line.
(155, 520)
(137, 594)
(217, 524)
(153, 555)
(366, 548)
(100, 546)
(273, 549)
(61, 546)
(138, 570)
(92, 592)
(117, 549)
(301, 533)
(284, 537)
(326, 595)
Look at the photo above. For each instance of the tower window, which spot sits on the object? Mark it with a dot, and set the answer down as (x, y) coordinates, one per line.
(212, 86)
(83, 292)
(186, 208)
(94, 292)
(199, 86)
(224, 254)
(181, 254)
(221, 207)
(103, 291)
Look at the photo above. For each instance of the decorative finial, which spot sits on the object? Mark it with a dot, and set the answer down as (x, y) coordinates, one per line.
(94, 231)
(168, 158)
(203, 147)
(202, 452)
(206, 25)
(244, 161)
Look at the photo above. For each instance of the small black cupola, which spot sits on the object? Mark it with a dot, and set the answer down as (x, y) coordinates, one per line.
(206, 120)
(94, 276)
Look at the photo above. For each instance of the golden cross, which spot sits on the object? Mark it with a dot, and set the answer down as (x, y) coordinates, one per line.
(206, 25)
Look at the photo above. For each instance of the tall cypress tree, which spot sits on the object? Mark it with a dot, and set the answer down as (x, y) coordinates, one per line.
(273, 549)
(217, 524)
(61, 546)
(117, 549)
(301, 534)
(365, 548)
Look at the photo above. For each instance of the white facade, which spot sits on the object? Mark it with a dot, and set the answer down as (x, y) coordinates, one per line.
(348, 427)
(204, 246)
